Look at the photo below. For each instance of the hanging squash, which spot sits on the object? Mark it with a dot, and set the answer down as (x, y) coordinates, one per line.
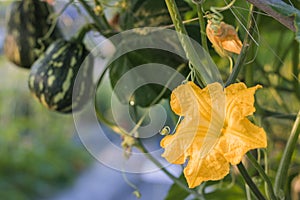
(28, 26)
(52, 76)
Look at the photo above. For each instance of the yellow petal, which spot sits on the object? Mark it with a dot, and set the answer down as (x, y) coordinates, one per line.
(239, 102)
(241, 138)
(184, 103)
(197, 131)
(211, 167)
(239, 134)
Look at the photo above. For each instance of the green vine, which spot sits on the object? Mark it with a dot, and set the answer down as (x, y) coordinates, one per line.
(282, 172)
(246, 45)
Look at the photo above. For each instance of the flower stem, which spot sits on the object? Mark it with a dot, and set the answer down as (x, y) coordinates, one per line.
(202, 27)
(82, 32)
(186, 43)
(249, 181)
(262, 173)
(246, 45)
(101, 27)
(266, 170)
(296, 61)
(142, 148)
(282, 172)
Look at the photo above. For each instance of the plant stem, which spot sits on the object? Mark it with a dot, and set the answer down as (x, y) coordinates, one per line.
(101, 27)
(81, 33)
(142, 148)
(249, 182)
(262, 173)
(246, 45)
(266, 170)
(248, 192)
(186, 43)
(202, 27)
(282, 172)
(104, 20)
(295, 64)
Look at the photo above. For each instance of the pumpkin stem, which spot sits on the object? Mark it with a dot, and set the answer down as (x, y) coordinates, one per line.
(82, 32)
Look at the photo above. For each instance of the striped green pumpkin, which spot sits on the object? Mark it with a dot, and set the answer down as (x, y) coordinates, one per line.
(27, 23)
(53, 75)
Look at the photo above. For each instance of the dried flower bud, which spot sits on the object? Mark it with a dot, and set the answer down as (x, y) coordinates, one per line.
(224, 38)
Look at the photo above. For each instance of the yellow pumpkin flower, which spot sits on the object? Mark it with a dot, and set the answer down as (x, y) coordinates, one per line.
(224, 38)
(214, 130)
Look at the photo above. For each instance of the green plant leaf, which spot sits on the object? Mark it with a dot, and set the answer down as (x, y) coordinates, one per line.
(144, 95)
(233, 193)
(288, 11)
(176, 192)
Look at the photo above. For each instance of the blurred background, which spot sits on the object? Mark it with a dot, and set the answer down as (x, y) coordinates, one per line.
(41, 155)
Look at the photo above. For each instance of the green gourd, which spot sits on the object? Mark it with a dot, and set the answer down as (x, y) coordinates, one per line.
(27, 24)
(52, 76)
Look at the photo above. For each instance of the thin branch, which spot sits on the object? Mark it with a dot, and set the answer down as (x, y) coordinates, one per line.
(264, 176)
(282, 172)
(249, 182)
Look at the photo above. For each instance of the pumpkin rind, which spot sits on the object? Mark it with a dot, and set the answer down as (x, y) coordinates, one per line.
(27, 24)
(52, 76)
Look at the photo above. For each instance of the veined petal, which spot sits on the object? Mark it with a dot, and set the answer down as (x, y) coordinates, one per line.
(233, 45)
(229, 39)
(211, 167)
(239, 102)
(215, 103)
(239, 134)
(204, 114)
(239, 139)
(184, 103)
(177, 145)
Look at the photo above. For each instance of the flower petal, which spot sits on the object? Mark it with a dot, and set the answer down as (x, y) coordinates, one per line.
(239, 134)
(229, 39)
(211, 167)
(199, 131)
(241, 138)
(184, 103)
(239, 102)
(234, 46)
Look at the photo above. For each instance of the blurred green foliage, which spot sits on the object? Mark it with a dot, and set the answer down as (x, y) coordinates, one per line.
(38, 152)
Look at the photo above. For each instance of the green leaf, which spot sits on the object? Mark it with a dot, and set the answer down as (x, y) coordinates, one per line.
(233, 193)
(288, 11)
(146, 13)
(146, 94)
(176, 192)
